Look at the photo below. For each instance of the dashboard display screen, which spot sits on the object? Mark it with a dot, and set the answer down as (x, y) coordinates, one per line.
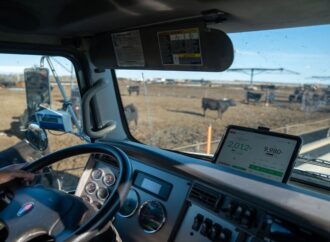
(262, 153)
(151, 186)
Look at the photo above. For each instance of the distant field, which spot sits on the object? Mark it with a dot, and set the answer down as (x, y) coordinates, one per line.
(170, 116)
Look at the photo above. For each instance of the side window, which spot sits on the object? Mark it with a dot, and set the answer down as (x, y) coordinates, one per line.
(28, 86)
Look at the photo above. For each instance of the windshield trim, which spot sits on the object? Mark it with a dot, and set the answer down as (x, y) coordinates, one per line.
(121, 108)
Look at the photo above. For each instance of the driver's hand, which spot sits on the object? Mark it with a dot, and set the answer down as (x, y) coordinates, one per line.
(8, 176)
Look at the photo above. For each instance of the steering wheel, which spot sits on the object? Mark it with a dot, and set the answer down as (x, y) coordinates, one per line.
(38, 212)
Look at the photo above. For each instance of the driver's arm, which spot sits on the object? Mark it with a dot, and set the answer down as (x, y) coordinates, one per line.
(8, 176)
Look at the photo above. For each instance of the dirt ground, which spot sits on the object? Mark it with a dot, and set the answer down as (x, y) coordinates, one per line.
(171, 116)
(12, 106)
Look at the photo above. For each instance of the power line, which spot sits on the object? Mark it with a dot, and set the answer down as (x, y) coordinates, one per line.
(323, 78)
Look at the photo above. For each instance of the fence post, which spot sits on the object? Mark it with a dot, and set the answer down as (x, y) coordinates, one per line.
(198, 147)
(209, 140)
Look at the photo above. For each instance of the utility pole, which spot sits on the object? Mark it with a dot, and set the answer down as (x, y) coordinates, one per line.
(146, 101)
(251, 76)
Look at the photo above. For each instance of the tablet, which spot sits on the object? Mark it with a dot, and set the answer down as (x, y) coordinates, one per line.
(259, 152)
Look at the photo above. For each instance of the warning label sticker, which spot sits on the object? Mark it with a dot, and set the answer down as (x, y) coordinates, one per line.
(128, 48)
(180, 47)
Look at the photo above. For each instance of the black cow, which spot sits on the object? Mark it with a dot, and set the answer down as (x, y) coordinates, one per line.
(254, 96)
(131, 113)
(296, 96)
(131, 89)
(326, 97)
(220, 105)
(267, 87)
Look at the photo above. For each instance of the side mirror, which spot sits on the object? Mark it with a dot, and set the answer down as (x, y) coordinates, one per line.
(37, 137)
(38, 91)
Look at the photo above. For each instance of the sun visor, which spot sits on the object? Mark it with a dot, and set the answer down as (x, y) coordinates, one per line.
(184, 46)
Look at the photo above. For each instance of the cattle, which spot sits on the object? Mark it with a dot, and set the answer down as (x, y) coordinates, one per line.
(219, 105)
(310, 101)
(131, 89)
(267, 87)
(270, 97)
(296, 96)
(254, 96)
(131, 113)
(326, 97)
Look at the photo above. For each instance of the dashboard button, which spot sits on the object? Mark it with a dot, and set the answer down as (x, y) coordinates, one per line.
(238, 213)
(197, 222)
(248, 217)
(206, 227)
(225, 235)
(102, 193)
(229, 209)
(215, 232)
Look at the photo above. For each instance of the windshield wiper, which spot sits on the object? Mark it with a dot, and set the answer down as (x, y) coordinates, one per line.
(313, 171)
(318, 161)
(317, 175)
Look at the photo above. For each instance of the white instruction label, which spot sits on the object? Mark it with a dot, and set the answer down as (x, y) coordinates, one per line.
(180, 47)
(128, 48)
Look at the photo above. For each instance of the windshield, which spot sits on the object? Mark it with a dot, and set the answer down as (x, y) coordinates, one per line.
(280, 79)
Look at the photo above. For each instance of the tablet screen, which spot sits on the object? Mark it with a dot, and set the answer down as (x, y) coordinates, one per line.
(264, 154)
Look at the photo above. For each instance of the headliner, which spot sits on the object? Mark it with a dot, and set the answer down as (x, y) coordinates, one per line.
(86, 17)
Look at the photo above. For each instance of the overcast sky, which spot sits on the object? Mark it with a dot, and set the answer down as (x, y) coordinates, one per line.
(305, 50)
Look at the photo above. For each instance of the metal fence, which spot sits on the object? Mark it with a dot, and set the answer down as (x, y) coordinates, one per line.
(295, 129)
(304, 128)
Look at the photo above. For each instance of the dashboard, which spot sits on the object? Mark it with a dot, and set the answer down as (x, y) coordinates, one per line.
(180, 200)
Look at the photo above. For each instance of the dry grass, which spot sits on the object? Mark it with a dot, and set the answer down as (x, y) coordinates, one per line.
(12, 106)
(171, 116)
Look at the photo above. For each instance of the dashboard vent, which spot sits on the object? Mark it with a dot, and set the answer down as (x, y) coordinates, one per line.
(206, 196)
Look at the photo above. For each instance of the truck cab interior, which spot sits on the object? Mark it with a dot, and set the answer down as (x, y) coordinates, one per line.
(162, 120)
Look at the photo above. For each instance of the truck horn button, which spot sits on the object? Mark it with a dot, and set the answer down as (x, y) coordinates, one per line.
(27, 207)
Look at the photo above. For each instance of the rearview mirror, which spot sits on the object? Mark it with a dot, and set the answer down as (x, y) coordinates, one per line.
(37, 137)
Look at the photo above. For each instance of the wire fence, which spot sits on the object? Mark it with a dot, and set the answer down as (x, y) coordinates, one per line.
(294, 129)
(304, 128)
